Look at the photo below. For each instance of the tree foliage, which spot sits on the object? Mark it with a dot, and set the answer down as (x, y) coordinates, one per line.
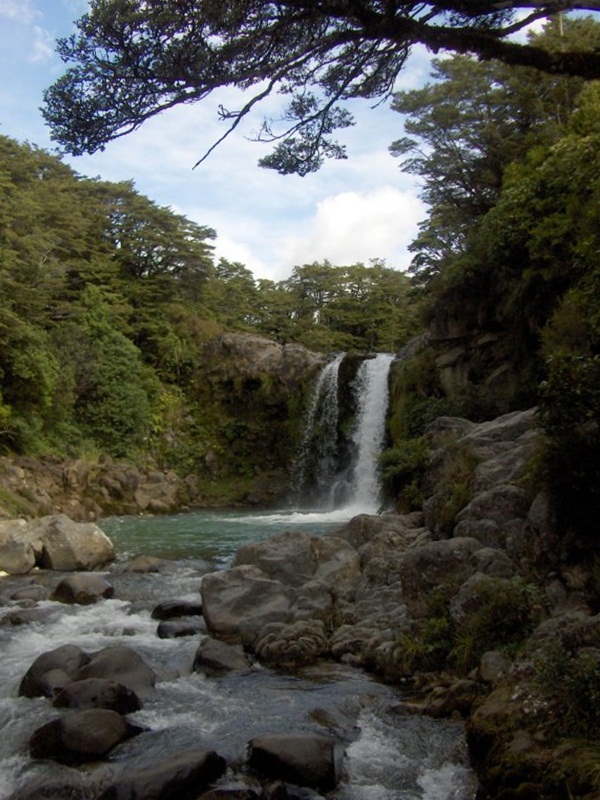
(107, 300)
(130, 60)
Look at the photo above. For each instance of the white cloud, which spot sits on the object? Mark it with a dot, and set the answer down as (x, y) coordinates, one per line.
(43, 45)
(18, 10)
(353, 227)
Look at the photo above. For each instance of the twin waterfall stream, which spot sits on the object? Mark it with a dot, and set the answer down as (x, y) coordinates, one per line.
(389, 754)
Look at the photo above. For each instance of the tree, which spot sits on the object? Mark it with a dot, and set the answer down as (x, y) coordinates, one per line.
(468, 125)
(131, 60)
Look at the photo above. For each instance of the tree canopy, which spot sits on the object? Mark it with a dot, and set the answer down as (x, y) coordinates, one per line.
(130, 60)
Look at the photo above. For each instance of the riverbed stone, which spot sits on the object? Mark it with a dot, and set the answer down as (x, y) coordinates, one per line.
(214, 657)
(121, 664)
(16, 557)
(440, 565)
(52, 670)
(68, 546)
(303, 759)
(82, 590)
(237, 603)
(97, 693)
(183, 776)
(292, 646)
(170, 609)
(81, 736)
(176, 628)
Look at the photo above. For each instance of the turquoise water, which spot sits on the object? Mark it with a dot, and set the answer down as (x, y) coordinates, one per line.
(212, 536)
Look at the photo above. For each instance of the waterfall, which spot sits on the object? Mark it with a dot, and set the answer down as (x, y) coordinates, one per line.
(371, 385)
(320, 477)
(316, 463)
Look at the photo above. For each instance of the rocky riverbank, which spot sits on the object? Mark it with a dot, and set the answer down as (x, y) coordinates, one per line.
(472, 606)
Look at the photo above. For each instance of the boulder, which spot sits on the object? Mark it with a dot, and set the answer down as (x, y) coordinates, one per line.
(177, 608)
(295, 558)
(215, 658)
(183, 776)
(82, 590)
(71, 787)
(68, 545)
(238, 602)
(292, 646)
(304, 759)
(487, 515)
(176, 628)
(97, 693)
(120, 664)
(144, 564)
(81, 736)
(52, 671)
(34, 592)
(16, 557)
(443, 564)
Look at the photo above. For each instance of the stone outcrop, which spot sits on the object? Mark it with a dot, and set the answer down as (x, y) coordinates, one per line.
(81, 736)
(88, 490)
(53, 542)
(301, 759)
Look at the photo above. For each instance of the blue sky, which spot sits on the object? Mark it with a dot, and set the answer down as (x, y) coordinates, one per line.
(349, 211)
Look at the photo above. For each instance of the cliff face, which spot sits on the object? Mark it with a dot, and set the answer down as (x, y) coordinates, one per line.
(231, 446)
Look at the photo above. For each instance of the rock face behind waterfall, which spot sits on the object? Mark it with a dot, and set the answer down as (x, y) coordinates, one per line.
(471, 604)
(250, 390)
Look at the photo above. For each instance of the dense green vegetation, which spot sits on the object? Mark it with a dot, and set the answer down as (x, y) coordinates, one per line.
(107, 300)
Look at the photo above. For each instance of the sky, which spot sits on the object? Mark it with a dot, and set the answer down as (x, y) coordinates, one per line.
(350, 211)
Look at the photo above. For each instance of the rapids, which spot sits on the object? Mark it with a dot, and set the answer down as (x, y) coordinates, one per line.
(390, 755)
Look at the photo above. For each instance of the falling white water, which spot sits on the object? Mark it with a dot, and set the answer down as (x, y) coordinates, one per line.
(371, 387)
(322, 414)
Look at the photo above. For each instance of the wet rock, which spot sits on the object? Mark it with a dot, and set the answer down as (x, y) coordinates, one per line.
(302, 759)
(144, 564)
(177, 608)
(292, 646)
(33, 592)
(68, 545)
(183, 776)
(24, 616)
(295, 558)
(98, 693)
(239, 602)
(120, 664)
(215, 658)
(81, 736)
(16, 558)
(52, 671)
(71, 788)
(435, 565)
(82, 590)
(493, 666)
(176, 628)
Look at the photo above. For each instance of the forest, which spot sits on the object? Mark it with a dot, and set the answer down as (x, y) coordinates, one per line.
(107, 299)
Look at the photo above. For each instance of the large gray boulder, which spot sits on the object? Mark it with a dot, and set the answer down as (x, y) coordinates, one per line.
(97, 693)
(53, 542)
(69, 545)
(83, 590)
(121, 664)
(441, 565)
(81, 736)
(304, 759)
(295, 558)
(238, 602)
(52, 671)
(182, 776)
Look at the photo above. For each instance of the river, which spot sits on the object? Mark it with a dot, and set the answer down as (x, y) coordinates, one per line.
(390, 755)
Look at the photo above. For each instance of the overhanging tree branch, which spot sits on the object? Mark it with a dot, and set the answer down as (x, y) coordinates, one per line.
(132, 60)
